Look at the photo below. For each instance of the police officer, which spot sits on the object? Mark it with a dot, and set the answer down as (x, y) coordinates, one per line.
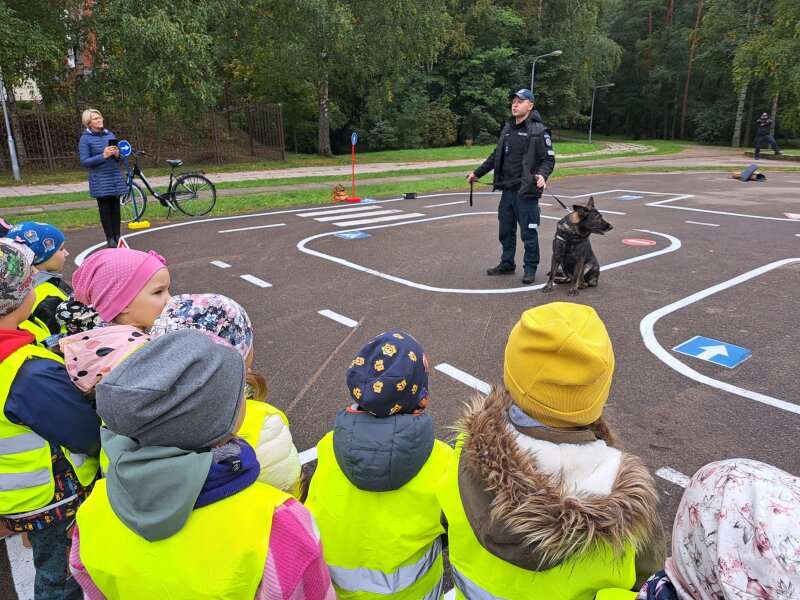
(522, 162)
(764, 135)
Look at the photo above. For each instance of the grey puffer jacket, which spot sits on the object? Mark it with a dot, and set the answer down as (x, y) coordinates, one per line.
(105, 176)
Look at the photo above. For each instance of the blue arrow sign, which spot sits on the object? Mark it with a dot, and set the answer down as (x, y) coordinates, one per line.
(354, 138)
(124, 148)
(352, 235)
(714, 351)
(628, 197)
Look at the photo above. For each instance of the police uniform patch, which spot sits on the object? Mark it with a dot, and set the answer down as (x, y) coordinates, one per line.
(547, 140)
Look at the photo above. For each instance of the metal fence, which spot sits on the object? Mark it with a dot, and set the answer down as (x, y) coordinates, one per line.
(47, 139)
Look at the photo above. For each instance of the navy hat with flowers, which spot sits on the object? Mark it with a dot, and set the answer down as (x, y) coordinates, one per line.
(389, 375)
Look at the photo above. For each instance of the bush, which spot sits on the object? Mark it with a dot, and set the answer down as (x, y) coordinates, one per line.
(441, 127)
(484, 137)
(478, 121)
(382, 136)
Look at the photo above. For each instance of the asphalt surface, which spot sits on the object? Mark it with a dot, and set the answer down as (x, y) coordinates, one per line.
(426, 274)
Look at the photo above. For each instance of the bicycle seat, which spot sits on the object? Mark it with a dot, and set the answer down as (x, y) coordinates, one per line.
(175, 162)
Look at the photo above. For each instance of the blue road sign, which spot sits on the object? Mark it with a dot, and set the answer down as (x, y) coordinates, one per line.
(124, 148)
(354, 138)
(352, 235)
(714, 351)
(628, 197)
(368, 200)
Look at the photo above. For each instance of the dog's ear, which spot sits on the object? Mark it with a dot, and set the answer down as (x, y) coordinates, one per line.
(579, 209)
(590, 203)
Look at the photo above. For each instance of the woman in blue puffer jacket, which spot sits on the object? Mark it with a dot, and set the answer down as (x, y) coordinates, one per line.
(106, 181)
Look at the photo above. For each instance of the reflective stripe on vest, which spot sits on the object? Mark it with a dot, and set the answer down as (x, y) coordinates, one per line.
(395, 553)
(207, 558)
(378, 582)
(37, 327)
(26, 465)
(479, 575)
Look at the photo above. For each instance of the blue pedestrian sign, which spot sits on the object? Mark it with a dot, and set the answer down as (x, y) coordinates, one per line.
(714, 351)
(354, 138)
(124, 148)
(352, 235)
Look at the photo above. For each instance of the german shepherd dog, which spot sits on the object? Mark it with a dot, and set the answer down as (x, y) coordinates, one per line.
(572, 250)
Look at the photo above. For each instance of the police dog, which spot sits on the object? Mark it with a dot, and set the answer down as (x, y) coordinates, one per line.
(572, 250)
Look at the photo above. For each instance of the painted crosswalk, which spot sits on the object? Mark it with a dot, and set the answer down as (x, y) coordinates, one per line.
(360, 214)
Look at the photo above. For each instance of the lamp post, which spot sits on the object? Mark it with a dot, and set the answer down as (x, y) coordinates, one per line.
(533, 68)
(12, 151)
(591, 118)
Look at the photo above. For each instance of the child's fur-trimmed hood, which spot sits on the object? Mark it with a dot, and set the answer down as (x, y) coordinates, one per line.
(536, 503)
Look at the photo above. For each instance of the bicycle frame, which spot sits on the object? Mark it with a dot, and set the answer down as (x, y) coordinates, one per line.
(167, 196)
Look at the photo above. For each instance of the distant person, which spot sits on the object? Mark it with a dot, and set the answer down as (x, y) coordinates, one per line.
(373, 493)
(764, 135)
(736, 536)
(106, 181)
(522, 162)
(541, 503)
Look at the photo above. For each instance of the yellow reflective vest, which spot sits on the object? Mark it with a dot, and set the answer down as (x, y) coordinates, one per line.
(26, 467)
(220, 553)
(38, 328)
(46, 289)
(255, 414)
(479, 575)
(380, 545)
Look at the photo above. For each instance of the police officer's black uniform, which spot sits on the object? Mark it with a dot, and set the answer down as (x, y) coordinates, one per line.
(523, 151)
(763, 135)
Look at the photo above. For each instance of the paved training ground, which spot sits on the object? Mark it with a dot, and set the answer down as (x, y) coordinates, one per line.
(724, 265)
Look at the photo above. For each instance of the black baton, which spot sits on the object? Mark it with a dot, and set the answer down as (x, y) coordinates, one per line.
(471, 183)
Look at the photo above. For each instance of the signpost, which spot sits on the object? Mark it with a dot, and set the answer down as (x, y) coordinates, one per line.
(714, 351)
(353, 142)
(124, 148)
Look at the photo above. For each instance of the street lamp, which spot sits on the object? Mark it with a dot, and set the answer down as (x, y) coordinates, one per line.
(533, 68)
(12, 152)
(591, 118)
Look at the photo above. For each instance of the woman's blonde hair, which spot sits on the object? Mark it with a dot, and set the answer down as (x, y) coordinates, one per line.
(87, 114)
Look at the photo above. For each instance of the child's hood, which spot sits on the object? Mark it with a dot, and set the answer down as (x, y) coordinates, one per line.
(91, 355)
(12, 340)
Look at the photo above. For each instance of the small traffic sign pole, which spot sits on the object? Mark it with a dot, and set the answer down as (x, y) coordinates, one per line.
(353, 142)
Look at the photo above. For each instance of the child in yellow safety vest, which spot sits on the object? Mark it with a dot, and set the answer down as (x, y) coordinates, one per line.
(265, 427)
(181, 508)
(48, 246)
(540, 502)
(373, 492)
(49, 434)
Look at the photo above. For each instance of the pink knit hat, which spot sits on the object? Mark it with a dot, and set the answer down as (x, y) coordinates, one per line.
(110, 279)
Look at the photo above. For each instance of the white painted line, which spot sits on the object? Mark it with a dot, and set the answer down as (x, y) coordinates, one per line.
(23, 572)
(378, 220)
(220, 264)
(337, 317)
(797, 235)
(648, 323)
(701, 223)
(465, 378)
(445, 204)
(612, 212)
(253, 279)
(544, 204)
(673, 476)
(249, 228)
(664, 204)
(388, 211)
(337, 211)
(674, 245)
(306, 456)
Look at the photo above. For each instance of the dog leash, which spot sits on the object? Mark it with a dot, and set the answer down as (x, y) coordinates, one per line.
(511, 182)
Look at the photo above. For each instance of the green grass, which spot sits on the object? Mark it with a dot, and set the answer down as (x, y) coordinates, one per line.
(302, 160)
(232, 205)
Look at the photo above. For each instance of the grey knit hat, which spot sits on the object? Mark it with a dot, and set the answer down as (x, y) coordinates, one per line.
(181, 390)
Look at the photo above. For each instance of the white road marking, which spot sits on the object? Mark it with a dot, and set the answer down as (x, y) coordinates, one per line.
(23, 572)
(220, 264)
(674, 245)
(673, 476)
(249, 228)
(255, 280)
(445, 204)
(465, 378)
(388, 211)
(337, 317)
(377, 220)
(664, 204)
(701, 223)
(337, 211)
(648, 323)
(306, 456)
(612, 212)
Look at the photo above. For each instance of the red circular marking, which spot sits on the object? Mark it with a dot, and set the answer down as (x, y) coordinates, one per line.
(638, 242)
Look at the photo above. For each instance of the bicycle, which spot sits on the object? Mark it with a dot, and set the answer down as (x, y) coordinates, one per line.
(191, 193)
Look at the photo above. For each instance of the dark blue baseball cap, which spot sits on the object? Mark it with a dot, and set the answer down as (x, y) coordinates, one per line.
(524, 94)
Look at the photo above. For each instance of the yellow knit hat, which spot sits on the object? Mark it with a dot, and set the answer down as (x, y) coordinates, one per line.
(559, 363)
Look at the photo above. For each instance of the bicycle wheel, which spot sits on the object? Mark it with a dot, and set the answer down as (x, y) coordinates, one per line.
(194, 194)
(132, 206)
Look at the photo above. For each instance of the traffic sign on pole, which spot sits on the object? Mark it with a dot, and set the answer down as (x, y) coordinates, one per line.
(124, 148)
(353, 142)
